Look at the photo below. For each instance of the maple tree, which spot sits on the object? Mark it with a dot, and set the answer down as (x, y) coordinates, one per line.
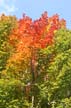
(31, 36)
(36, 34)
(35, 62)
(28, 38)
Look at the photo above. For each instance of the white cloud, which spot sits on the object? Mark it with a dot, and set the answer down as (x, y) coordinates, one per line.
(8, 6)
(10, 9)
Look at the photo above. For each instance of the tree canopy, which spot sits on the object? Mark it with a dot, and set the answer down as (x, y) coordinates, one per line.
(35, 62)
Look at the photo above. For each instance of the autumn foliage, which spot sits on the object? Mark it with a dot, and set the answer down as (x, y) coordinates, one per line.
(35, 64)
(35, 34)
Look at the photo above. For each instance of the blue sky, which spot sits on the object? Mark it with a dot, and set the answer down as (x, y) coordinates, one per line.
(34, 8)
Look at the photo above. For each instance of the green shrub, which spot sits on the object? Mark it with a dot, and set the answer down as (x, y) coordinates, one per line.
(12, 94)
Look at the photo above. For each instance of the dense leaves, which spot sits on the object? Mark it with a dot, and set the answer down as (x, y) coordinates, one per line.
(35, 34)
(7, 24)
(35, 62)
(31, 36)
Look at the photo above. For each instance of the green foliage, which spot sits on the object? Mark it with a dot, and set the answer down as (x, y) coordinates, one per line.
(7, 24)
(52, 85)
(59, 70)
(12, 94)
(54, 72)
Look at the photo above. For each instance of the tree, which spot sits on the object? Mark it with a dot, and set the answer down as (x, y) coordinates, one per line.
(7, 24)
(31, 36)
(28, 39)
(59, 70)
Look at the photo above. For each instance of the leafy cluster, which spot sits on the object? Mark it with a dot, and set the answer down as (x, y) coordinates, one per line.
(35, 62)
